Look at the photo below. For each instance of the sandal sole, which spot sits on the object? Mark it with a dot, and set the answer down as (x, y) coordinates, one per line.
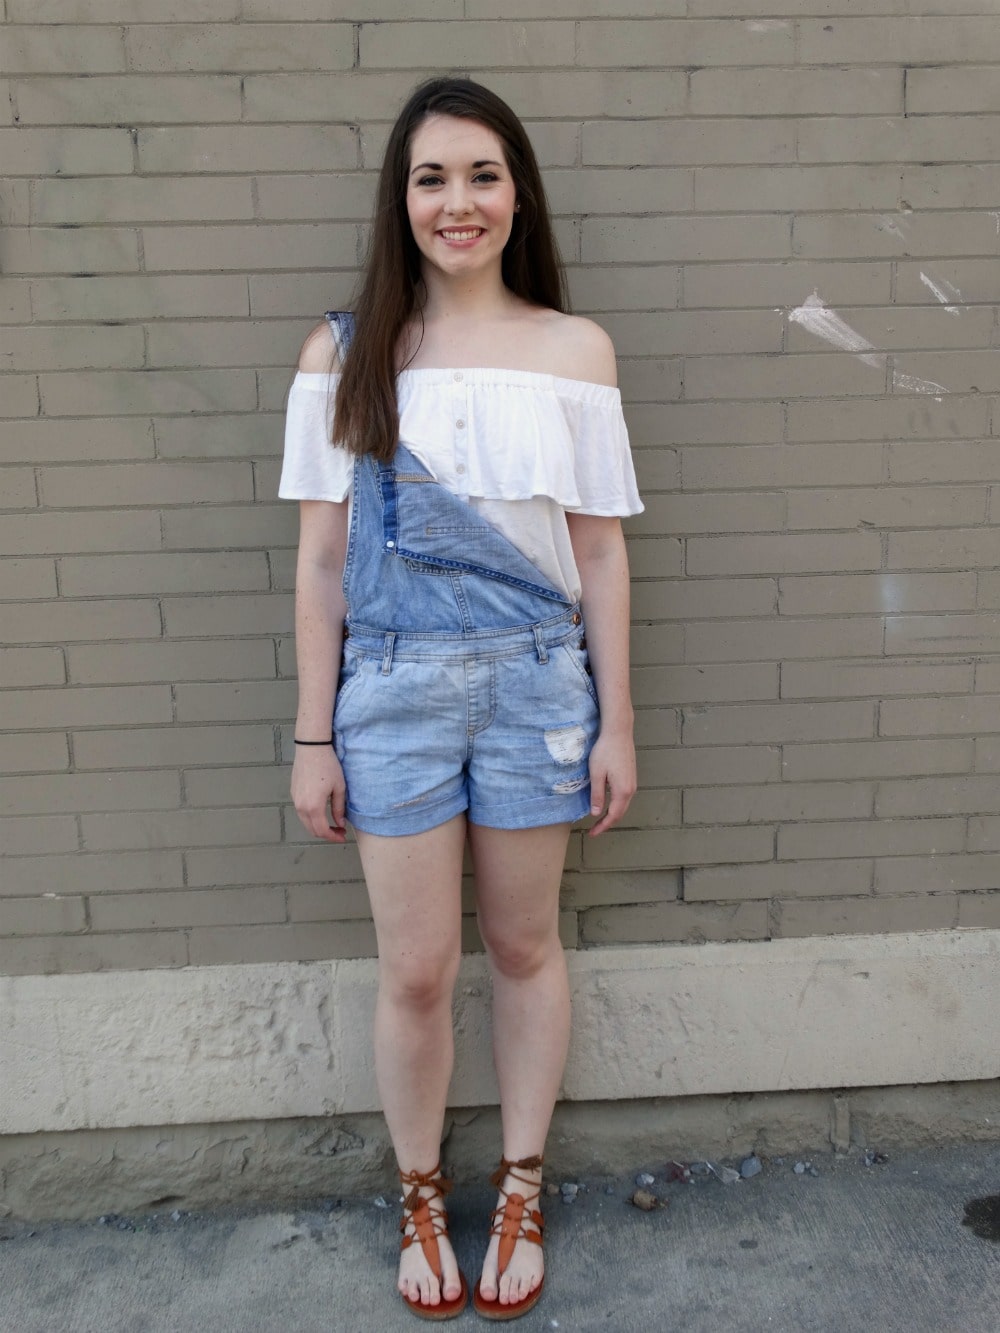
(442, 1311)
(497, 1312)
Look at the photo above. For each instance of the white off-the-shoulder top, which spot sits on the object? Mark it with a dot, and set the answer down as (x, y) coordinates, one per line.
(521, 447)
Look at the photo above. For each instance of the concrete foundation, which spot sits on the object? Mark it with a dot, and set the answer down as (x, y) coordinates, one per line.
(81, 1174)
(255, 1082)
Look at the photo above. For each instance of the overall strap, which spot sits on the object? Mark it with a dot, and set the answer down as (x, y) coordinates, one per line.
(342, 327)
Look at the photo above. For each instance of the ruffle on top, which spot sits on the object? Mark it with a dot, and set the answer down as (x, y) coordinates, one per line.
(483, 433)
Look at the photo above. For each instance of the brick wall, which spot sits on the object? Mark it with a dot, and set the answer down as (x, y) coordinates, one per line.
(788, 222)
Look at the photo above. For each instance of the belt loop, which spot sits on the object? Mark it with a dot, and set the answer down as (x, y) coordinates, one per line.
(390, 640)
(540, 649)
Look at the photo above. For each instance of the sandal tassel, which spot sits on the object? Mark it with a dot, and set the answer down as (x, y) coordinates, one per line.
(511, 1168)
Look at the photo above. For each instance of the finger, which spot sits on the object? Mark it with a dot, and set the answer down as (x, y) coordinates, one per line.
(597, 829)
(616, 808)
(598, 788)
(618, 804)
(338, 804)
(330, 834)
(315, 821)
(327, 831)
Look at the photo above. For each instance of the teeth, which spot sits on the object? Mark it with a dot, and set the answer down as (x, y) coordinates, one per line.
(461, 235)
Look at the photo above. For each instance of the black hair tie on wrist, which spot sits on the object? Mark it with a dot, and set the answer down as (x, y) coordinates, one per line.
(298, 742)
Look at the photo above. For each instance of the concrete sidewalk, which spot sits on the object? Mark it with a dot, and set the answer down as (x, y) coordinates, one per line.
(854, 1248)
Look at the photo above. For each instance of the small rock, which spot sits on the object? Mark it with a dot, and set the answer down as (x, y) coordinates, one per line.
(799, 1168)
(176, 1215)
(380, 1202)
(813, 1170)
(644, 1179)
(646, 1201)
(569, 1188)
(552, 1188)
(125, 1225)
(677, 1171)
(751, 1166)
(728, 1176)
(700, 1169)
(873, 1158)
(104, 1219)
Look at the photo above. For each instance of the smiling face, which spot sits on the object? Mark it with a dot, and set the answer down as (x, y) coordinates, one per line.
(460, 196)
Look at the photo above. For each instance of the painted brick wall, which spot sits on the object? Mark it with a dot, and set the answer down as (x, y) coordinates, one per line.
(786, 212)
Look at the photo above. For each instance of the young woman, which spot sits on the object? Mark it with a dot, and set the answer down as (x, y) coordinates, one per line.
(461, 495)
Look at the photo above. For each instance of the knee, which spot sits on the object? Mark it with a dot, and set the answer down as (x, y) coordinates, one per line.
(519, 954)
(419, 982)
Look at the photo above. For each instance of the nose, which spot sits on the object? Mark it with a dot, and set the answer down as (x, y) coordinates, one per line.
(458, 200)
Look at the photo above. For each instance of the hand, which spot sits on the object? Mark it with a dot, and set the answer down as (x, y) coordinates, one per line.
(612, 779)
(319, 791)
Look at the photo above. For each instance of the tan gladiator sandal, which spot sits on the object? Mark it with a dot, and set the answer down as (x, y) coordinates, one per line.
(509, 1224)
(424, 1223)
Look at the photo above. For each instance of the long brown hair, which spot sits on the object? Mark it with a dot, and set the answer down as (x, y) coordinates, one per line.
(366, 412)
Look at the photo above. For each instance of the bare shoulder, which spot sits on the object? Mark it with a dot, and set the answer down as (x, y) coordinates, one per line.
(319, 352)
(579, 349)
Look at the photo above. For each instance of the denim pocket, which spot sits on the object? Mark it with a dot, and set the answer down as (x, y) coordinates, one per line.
(577, 654)
(350, 679)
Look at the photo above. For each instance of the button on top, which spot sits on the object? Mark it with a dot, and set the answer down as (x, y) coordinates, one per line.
(460, 424)
(577, 617)
(458, 377)
(460, 469)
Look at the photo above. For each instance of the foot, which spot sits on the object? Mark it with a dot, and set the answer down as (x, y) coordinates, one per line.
(418, 1283)
(526, 1266)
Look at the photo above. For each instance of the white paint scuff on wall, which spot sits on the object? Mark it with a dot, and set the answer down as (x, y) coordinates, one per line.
(893, 226)
(943, 296)
(818, 319)
(914, 384)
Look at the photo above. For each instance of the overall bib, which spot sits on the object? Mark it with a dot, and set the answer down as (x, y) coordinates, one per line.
(465, 684)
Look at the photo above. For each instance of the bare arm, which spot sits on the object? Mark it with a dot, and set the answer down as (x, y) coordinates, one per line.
(599, 549)
(318, 788)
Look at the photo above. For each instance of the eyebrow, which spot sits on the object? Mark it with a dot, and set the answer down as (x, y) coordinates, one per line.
(436, 166)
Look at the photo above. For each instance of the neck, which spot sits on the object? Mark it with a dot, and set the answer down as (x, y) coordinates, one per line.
(474, 298)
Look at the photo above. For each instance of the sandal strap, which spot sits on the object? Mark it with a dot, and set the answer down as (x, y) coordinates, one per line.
(509, 1218)
(428, 1223)
(508, 1168)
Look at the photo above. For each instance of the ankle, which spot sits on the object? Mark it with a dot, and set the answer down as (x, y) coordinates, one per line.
(515, 1175)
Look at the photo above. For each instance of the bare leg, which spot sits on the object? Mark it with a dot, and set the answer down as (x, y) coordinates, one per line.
(518, 873)
(414, 884)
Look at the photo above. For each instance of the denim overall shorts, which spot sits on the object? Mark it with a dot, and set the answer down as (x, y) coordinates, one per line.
(465, 684)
